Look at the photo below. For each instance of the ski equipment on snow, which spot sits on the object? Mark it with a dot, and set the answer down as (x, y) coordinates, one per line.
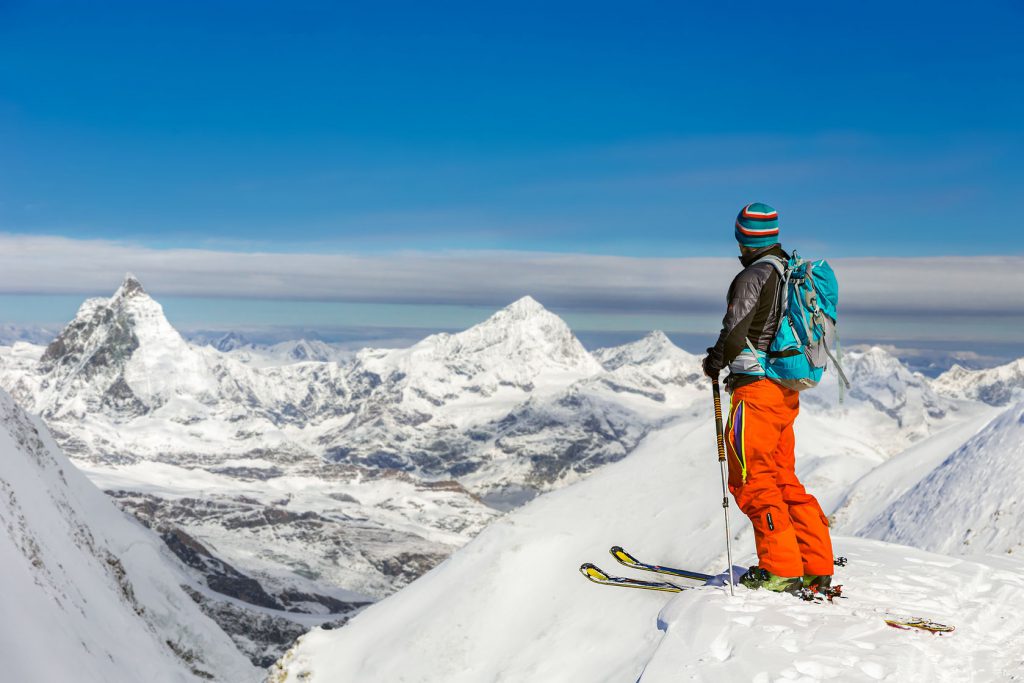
(807, 336)
(625, 558)
(717, 394)
(815, 594)
(919, 623)
(595, 574)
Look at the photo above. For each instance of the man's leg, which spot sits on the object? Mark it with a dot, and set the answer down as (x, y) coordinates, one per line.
(809, 521)
(754, 429)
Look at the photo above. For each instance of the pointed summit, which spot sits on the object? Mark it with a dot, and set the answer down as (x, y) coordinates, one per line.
(130, 287)
(119, 354)
(652, 349)
(524, 318)
(523, 345)
(525, 312)
(525, 306)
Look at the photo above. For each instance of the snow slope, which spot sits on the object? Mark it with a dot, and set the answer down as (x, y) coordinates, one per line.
(882, 485)
(511, 606)
(972, 502)
(89, 594)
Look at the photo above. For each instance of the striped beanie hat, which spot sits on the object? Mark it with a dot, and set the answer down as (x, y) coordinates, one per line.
(757, 225)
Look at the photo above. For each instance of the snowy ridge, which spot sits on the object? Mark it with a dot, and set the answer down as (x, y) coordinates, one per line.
(282, 353)
(996, 386)
(897, 407)
(970, 503)
(83, 580)
(883, 484)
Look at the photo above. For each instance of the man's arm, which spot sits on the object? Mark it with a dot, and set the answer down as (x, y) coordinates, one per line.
(743, 297)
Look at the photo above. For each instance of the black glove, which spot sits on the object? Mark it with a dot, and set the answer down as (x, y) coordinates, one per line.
(709, 367)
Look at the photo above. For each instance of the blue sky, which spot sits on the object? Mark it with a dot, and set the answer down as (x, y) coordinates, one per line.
(877, 129)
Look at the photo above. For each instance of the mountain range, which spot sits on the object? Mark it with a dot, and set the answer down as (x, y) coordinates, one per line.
(295, 485)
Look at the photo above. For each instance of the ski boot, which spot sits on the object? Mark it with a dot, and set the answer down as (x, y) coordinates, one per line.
(819, 586)
(817, 582)
(756, 578)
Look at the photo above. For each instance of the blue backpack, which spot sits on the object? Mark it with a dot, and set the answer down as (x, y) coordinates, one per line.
(804, 343)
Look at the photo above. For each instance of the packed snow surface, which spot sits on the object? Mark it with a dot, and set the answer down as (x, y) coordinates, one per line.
(511, 605)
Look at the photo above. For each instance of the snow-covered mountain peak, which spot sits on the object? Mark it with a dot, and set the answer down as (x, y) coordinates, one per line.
(877, 361)
(520, 343)
(130, 287)
(651, 349)
(525, 306)
(995, 386)
(120, 353)
(881, 383)
(117, 325)
(230, 342)
(523, 322)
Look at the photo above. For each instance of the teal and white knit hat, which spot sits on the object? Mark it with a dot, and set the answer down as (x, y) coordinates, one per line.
(757, 225)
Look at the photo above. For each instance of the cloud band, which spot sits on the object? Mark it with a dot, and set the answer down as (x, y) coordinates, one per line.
(984, 285)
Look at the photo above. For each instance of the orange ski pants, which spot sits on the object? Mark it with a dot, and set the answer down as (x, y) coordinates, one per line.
(790, 529)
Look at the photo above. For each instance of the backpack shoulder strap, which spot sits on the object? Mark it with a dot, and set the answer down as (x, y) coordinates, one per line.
(780, 266)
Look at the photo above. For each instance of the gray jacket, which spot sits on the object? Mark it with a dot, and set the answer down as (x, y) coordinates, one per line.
(754, 311)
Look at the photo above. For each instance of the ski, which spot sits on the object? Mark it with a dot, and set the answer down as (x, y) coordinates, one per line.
(919, 623)
(595, 574)
(628, 560)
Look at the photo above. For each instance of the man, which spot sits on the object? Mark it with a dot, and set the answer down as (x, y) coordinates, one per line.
(794, 549)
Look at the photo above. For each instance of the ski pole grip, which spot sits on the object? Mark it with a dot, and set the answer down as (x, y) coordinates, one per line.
(718, 419)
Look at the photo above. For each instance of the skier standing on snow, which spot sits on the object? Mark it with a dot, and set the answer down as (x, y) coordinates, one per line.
(794, 549)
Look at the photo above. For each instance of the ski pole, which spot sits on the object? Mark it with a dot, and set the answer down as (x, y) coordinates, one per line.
(725, 488)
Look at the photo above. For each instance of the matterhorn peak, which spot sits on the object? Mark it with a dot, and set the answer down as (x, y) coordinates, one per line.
(121, 352)
(129, 288)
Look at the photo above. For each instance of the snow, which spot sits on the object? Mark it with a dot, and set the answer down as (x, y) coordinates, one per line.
(83, 580)
(282, 353)
(763, 637)
(353, 521)
(346, 476)
(511, 605)
(996, 386)
(877, 489)
(971, 503)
